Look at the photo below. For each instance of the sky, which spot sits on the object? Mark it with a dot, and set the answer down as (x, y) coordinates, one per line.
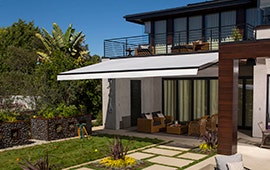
(97, 19)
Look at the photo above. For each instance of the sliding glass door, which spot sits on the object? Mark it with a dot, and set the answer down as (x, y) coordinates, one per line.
(189, 99)
(245, 103)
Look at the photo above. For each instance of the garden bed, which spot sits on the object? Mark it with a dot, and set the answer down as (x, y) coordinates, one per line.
(14, 133)
(58, 128)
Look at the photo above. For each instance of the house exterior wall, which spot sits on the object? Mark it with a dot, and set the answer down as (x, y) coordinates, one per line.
(261, 70)
(151, 94)
(117, 113)
(260, 96)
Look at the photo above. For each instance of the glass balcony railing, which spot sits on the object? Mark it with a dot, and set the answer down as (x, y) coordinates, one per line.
(192, 41)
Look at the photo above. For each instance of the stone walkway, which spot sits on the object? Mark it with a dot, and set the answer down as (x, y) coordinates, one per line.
(175, 154)
(163, 157)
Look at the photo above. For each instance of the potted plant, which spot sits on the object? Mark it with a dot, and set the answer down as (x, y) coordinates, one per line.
(236, 34)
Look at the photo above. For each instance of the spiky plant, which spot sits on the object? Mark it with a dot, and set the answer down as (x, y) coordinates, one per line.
(117, 149)
(41, 164)
(210, 141)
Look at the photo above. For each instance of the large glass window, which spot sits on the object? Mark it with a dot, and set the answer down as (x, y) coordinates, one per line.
(184, 100)
(228, 23)
(169, 99)
(252, 21)
(200, 99)
(245, 103)
(195, 28)
(189, 99)
(180, 31)
(160, 37)
(212, 30)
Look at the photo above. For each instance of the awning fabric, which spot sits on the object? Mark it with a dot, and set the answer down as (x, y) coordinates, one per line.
(138, 67)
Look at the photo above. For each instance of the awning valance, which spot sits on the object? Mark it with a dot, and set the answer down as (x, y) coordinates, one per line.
(138, 67)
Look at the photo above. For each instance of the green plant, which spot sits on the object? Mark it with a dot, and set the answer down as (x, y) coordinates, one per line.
(117, 155)
(42, 164)
(6, 116)
(236, 35)
(210, 141)
(60, 111)
(117, 150)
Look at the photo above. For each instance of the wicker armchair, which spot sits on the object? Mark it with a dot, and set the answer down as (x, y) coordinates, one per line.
(211, 123)
(265, 135)
(144, 50)
(149, 125)
(197, 127)
(165, 120)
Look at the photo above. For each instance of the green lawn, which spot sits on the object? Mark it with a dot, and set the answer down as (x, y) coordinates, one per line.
(70, 152)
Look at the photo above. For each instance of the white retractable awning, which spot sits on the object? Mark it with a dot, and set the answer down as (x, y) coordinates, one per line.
(136, 67)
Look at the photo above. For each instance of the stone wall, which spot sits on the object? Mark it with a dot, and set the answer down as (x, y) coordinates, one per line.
(58, 128)
(15, 133)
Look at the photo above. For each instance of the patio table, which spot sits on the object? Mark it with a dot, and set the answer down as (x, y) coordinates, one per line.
(176, 129)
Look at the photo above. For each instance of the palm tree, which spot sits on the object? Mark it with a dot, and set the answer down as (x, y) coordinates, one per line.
(70, 42)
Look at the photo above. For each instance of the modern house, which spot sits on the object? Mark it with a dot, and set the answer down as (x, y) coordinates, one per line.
(200, 59)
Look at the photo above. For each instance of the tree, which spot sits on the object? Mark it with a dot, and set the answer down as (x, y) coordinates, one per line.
(17, 57)
(65, 51)
(69, 42)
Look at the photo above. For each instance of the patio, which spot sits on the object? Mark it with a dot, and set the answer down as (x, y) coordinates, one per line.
(174, 155)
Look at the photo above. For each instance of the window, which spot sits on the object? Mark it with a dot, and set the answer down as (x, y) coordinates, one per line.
(195, 28)
(228, 22)
(188, 99)
(180, 31)
(212, 30)
(245, 103)
(160, 37)
(169, 102)
(251, 21)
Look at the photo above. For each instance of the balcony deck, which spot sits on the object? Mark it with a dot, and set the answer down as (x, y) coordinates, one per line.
(193, 41)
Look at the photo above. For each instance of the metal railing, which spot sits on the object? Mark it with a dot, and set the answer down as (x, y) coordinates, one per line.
(177, 42)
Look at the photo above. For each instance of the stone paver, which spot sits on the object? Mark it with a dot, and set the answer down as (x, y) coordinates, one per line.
(172, 147)
(159, 167)
(139, 155)
(165, 152)
(171, 161)
(194, 156)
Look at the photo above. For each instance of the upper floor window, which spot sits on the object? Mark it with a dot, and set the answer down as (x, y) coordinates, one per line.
(195, 28)
(160, 36)
(212, 30)
(228, 22)
(180, 31)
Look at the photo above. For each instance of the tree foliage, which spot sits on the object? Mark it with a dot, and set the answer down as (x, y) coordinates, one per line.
(30, 60)
(66, 51)
(17, 57)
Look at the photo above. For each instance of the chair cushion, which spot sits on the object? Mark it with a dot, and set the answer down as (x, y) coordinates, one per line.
(155, 123)
(221, 161)
(235, 166)
(148, 116)
(160, 115)
(143, 115)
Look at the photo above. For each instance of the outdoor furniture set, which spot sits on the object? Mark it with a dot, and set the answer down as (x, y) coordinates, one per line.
(146, 49)
(157, 122)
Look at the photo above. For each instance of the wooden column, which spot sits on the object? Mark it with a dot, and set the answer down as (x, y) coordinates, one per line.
(229, 55)
(228, 105)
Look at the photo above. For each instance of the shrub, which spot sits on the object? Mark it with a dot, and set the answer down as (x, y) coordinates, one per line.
(6, 116)
(117, 156)
(61, 111)
(210, 141)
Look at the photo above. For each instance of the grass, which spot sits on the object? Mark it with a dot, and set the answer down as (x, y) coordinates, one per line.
(70, 152)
